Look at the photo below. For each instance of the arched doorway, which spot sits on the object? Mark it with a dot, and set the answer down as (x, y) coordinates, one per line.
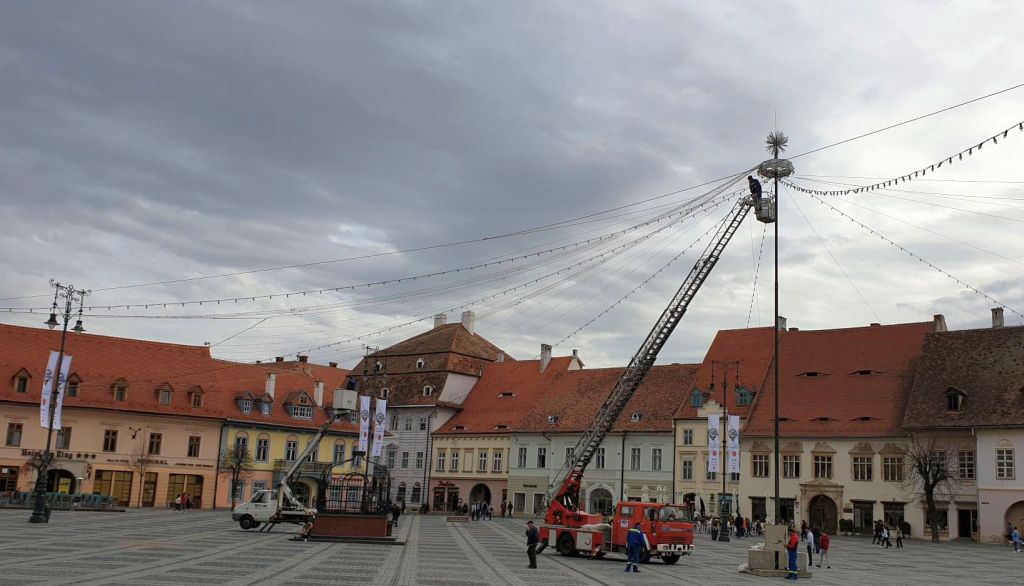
(1015, 515)
(480, 493)
(822, 513)
(58, 480)
(600, 501)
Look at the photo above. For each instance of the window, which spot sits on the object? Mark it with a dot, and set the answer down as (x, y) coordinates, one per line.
(353, 417)
(73, 383)
(656, 459)
(14, 434)
(408, 424)
(392, 454)
(744, 396)
(496, 461)
(416, 492)
(941, 519)
(194, 442)
(521, 459)
(246, 405)
(696, 398)
(636, 417)
(110, 440)
(314, 454)
(120, 393)
(197, 400)
(542, 457)
(155, 439)
(394, 422)
(759, 465)
(302, 411)
(954, 399)
(238, 490)
(823, 466)
(599, 461)
(264, 407)
(258, 485)
(21, 384)
(892, 513)
(64, 438)
(442, 455)
(428, 390)
(423, 424)
(419, 460)
(686, 469)
(937, 459)
(467, 461)
(455, 461)
(734, 477)
(165, 397)
(634, 458)
(291, 450)
(862, 467)
(378, 367)
(1004, 463)
(420, 363)
(791, 466)
(569, 455)
(687, 437)
(709, 475)
(481, 464)
(242, 443)
(965, 464)
(405, 459)
(552, 419)
(892, 469)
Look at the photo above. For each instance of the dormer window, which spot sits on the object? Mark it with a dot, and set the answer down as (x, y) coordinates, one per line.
(864, 418)
(864, 372)
(264, 408)
(73, 382)
(823, 419)
(812, 374)
(378, 367)
(245, 405)
(302, 411)
(165, 396)
(696, 398)
(383, 393)
(458, 427)
(428, 390)
(506, 395)
(21, 381)
(744, 396)
(501, 426)
(196, 399)
(552, 419)
(120, 389)
(955, 399)
(636, 417)
(420, 363)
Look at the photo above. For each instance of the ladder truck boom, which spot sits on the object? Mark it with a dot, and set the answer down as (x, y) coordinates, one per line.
(564, 504)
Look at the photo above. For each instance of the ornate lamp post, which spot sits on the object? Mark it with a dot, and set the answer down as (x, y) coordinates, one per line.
(70, 295)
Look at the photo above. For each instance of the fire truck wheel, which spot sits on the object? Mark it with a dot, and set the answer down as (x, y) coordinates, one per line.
(670, 559)
(566, 546)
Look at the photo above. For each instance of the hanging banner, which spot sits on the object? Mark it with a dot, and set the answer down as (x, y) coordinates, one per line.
(379, 427)
(714, 444)
(733, 443)
(364, 423)
(62, 382)
(44, 402)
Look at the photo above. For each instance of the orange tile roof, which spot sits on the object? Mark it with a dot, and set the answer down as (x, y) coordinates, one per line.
(504, 395)
(145, 367)
(850, 382)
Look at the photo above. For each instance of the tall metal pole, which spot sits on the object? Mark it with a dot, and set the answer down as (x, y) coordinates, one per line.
(723, 532)
(778, 378)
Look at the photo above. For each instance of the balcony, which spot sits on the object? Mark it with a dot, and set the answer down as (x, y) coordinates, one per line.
(307, 468)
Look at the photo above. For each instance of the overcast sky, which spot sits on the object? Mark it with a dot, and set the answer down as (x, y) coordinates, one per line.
(146, 141)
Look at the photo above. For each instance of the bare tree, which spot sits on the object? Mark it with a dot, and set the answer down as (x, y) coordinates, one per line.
(236, 460)
(932, 468)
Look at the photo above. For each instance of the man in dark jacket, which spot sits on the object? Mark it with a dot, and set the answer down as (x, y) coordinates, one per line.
(635, 543)
(755, 186)
(532, 539)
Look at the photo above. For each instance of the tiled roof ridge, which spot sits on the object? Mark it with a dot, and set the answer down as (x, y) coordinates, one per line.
(176, 345)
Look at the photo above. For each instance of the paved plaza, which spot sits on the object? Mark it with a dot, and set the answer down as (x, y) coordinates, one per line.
(159, 547)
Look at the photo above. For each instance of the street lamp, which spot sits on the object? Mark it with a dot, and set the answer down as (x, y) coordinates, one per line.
(69, 294)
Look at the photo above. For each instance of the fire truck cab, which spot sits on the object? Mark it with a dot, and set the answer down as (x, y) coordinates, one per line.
(667, 528)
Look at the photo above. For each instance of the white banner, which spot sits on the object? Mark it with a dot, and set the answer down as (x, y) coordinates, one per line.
(62, 383)
(714, 444)
(364, 423)
(44, 401)
(733, 443)
(379, 427)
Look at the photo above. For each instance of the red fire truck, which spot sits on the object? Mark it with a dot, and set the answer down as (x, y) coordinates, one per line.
(667, 528)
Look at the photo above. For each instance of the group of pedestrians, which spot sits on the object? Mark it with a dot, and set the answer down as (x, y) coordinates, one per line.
(736, 526)
(884, 534)
(817, 542)
(183, 502)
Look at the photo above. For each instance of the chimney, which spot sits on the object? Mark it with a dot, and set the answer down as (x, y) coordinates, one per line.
(939, 323)
(500, 358)
(303, 358)
(780, 322)
(469, 321)
(318, 393)
(440, 319)
(545, 356)
(271, 383)
(997, 317)
(279, 359)
(332, 364)
(575, 354)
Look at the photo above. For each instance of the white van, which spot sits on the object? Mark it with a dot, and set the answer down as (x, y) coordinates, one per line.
(264, 507)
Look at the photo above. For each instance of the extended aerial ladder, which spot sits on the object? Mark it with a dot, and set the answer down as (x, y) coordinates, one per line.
(564, 505)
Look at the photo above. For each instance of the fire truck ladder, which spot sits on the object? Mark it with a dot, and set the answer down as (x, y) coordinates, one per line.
(568, 478)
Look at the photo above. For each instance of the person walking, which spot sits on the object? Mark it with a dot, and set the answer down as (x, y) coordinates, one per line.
(899, 537)
(532, 539)
(817, 538)
(396, 512)
(504, 507)
(823, 543)
(1015, 538)
(490, 512)
(884, 543)
(792, 547)
(635, 542)
(510, 510)
(177, 504)
(809, 540)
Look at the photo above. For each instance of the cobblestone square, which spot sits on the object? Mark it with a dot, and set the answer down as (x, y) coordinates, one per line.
(159, 547)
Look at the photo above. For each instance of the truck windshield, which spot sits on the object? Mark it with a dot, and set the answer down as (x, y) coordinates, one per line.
(673, 514)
